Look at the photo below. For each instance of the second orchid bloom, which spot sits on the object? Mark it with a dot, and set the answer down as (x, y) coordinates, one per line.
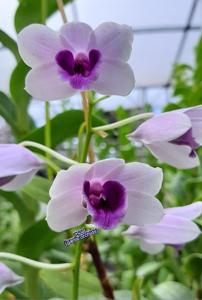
(110, 191)
(173, 137)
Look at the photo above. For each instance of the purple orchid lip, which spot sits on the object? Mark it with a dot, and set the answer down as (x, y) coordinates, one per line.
(105, 202)
(187, 139)
(80, 70)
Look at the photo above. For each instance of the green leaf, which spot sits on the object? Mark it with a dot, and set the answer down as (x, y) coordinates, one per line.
(63, 126)
(36, 239)
(8, 111)
(9, 43)
(37, 189)
(193, 264)
(149, 268)
(29, 12)
(61, 283)
(20, 96)
(171, 290)
(24, 210)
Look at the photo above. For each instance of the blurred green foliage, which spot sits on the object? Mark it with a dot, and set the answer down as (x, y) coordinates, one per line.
(135, 275)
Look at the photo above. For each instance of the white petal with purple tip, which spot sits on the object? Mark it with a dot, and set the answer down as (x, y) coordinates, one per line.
(164, 127)
(195, 115)
(177, 156)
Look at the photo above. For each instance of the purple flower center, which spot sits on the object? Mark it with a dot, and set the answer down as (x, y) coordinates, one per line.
(79, 70)
(187, 139)
(106, 202)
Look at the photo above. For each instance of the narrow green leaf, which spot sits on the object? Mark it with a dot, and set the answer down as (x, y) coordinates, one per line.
(149, 268)
(8, 111)
(9, 43)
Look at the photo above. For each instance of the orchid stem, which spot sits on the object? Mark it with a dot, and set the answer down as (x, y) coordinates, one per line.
(49, 151)
(123, 122)
(60, 5)
(34, 263)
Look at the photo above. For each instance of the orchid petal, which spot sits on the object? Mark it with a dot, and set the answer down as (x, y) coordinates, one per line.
(195, 115)
(142, 209)
(191, 211)
(8, 278)
(15, 160)
(66, 211)
(114, 78)
(177, 156)
(114, 40)
(38, 44)
(171, 230)
(142, 177)
(107, 169)
(45, 83)
(164, 127)
(79, 36)
(71, 179)
(18, 181)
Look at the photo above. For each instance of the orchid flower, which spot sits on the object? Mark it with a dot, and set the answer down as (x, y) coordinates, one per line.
(176, 228)
(110, 191)
(77, 58)
(173, 137)
(8, 278)
(17, 166)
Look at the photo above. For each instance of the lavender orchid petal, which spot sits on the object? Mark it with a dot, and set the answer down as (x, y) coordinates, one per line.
(176, 156)
(142, 209)
(66, 211)
(17, 166)
(44, 83)
(110, 39)
(161, 128)
(195, 115)
(147, 178)
(8, 278)
(79, 36)
(121, 83)
(190, 211)
(38, 45)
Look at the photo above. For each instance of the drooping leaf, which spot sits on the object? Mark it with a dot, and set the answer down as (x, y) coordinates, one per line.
(29, 12)
(9, 43)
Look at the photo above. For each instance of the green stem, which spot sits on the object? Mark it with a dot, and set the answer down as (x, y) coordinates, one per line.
(100, 99)
(33, 263)
(48, 136)
(123, 122)
(49, 151)
(82, 159)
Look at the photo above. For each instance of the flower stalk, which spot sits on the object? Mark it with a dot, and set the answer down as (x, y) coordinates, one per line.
(122, 122)
(34, 263)
(49, 151)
